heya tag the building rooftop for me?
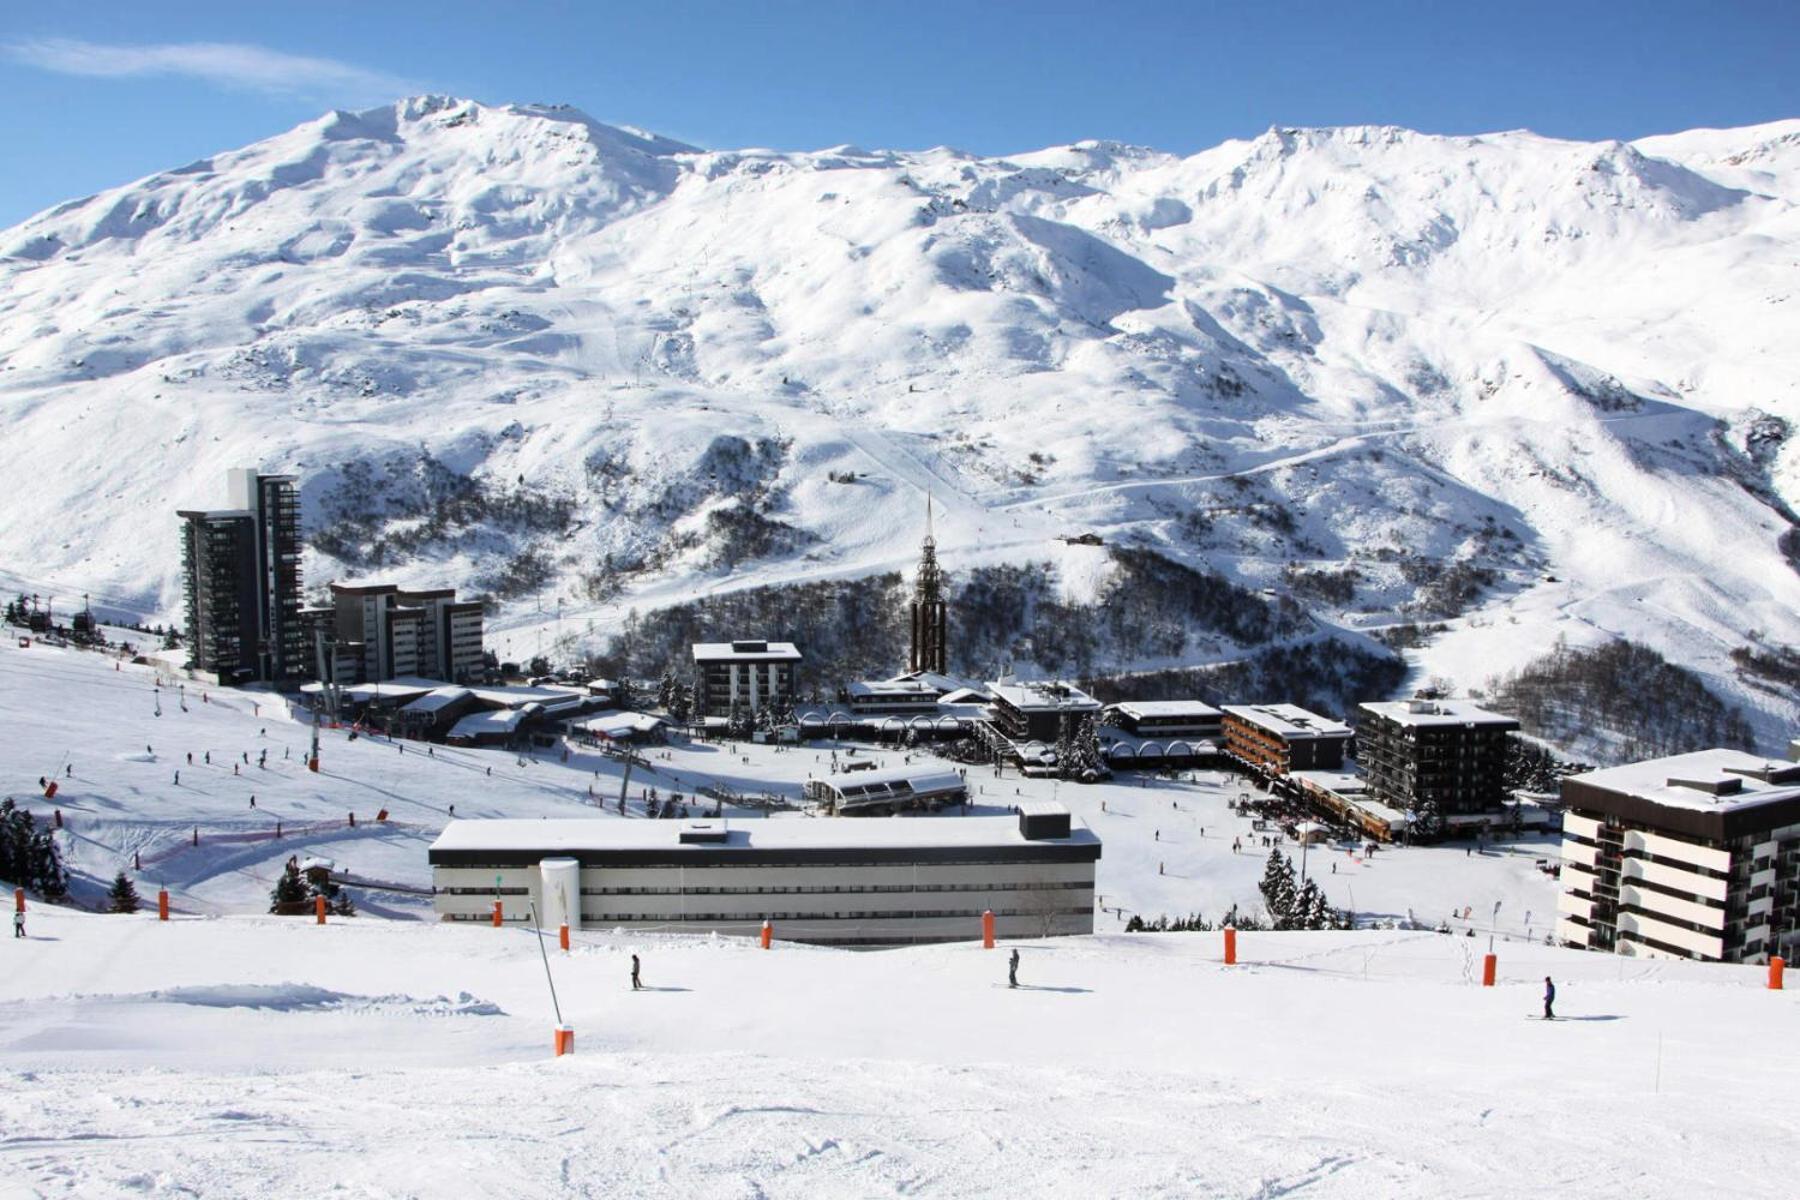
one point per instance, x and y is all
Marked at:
(569, 834)
(909, 688)
(621, 724)
(499, 720)
(919, 779)
(1141, 709)
(1044, 696)
(1703, 781)
(1288, 720)
(746, 651)
(1437, 712)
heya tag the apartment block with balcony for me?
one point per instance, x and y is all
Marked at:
(376, 632)
(1445, 755)
(1278, 738)
(241, 582)
(749, 674)
(1691, 856)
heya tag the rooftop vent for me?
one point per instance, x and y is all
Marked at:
(1716, 786)
(1769, 772)
(1040, 820)
(700, 835)
(1422, 707)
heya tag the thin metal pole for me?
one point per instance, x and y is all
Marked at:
(536, 924)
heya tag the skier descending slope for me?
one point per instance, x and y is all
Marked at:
(1012, 969)
(1549, 999)
(635, 984)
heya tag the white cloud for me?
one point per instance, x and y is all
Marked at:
(253, 68)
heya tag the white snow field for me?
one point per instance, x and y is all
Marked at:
(259, 1056)
(1570, 364)
(1167, 846)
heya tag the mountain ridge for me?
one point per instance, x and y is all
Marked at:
(1313, 350)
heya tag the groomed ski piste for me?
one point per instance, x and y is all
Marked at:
(229, 1053)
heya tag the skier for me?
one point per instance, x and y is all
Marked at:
(1159, 835)
(1549, 999)
(636, 984)
(209, 758)
(190, 758)
(178, 779)
(1012, 969)
(18, 923)
(453, 810)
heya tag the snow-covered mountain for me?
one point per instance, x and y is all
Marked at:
(516, 350)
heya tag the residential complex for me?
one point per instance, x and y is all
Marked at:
(1036, 712)
(1442, 756)
(880, 882)
(241, 582)
(1166, 718)
(1692, 856)
(1278, 738)
(375, 632)
(750, 675)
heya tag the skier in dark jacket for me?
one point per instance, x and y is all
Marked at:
(1549, 999)
(1012, 970)
(635, 984)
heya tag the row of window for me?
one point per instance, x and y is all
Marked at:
(838, 889)
(484, 891)
(971, 914)
(726, 864)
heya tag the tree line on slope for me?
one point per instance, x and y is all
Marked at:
(1620, 701)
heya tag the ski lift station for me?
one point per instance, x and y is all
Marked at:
(847, 883)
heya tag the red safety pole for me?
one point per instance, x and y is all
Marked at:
(562, 936)
(1776, 965)
(565, 1040)
(497, 917)
(1488, 963)
(162, 904)
(987, 930)
(768, 933)
(18, 899)
(319, 909)
(1230, 945)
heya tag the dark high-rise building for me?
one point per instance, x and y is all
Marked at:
(241, 570)
(1445, 755)
(929, 611)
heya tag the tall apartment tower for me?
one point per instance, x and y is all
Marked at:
(241, 568)
(929, 612)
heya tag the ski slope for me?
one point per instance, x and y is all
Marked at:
(256, 1056)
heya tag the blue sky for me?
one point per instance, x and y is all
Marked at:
(97, 93)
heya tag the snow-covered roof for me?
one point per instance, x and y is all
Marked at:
(966, 695)
(919, 779)
(910, 688)
(620, 724)
(746, 651)
(503, 720)
(513, 696)
(1044, 696)
(1288, 720)
(1437, 712)
(1341, 783)
(1141, 709)
(1703, 781)
(571, 834)
(432, 701)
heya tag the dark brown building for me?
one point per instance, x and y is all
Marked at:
(1446, 756)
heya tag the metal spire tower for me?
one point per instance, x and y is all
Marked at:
(929, 612)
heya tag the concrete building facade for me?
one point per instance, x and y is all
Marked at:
(887, 881)
(1692, 856)
(375, 632)
(751, 674)
(241, 582)
(1279, 738)
(1446, 756)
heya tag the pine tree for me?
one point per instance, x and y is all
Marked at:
(665, 691)
(1277, 889)
(1307, 907)
(122, 896)
(290, 889)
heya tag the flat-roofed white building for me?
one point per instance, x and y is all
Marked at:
(753, 674)
(869, 793)
(875, 882)
(1692, 856)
